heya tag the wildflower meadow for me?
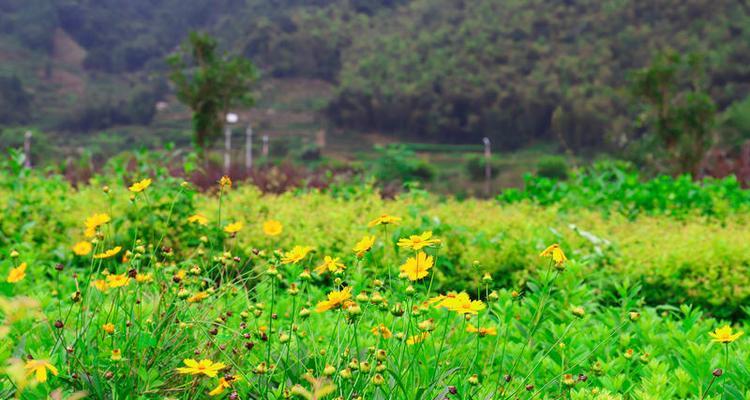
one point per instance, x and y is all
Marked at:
(148, 288)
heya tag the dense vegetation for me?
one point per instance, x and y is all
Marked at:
(620, 187)
(119, 288)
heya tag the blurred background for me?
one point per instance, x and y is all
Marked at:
(463, 96)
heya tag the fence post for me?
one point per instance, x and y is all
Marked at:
(249, 148)
(227, 148)
(265, 146)
(27, 149)
(487, 166)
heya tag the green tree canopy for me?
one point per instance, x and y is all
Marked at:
(210, 84)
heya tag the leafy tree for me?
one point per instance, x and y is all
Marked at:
(210, 84)
(680, 113)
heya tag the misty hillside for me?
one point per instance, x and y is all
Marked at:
(516, 71)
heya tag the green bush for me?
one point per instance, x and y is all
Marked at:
(618, 187)
(398, 163)
(552, 167)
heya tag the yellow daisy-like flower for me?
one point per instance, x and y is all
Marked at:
(418, 338)
(463, 304)
(335, 300)
(94, 222)
(384, 219)
(100, 285)
(417, 267)
(199, 219)
(109, 328)
(198, 297)
(418, 242)
(364, 245)
(725, 335)
(117, 280)
(555, 253)
(224, 383)
(234, 227)
(82, 248)
(481, 331)
(140, 186)
(202, 367)
(17, 274)
(382, 330)
(39, 369)
(109, 253)
(144, 278)
(225, 182)
(272, 228)
(331, 265)
(297, 254)
(116, 355)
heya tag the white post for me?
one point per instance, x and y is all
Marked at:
(249, 148)
(27, 149)
(231, 118)
(487, 165)
(265, 146)
(227, 148)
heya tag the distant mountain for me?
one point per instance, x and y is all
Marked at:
(517, 71)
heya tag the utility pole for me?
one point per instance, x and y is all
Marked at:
(249, 148)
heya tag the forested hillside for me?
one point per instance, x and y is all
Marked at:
(518, 71)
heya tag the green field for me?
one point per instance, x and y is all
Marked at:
(162, 291)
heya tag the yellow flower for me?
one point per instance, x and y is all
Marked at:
(725, 335)
(140, 186)
(330, 265)
(109, 328)
(384, 219)
(82, 248)
(364, 245)
(224, 383)
(418, 338)
(335, 299)
(295, 255)
(481, 331)
(225, 181)
(555, 252)
(382, 330)
(234, 227)
(417, 242)
(109, 253)
(463, 304)
(198, 297)
(417, 267)
(204, 367)
(94, 222)
(39, 369)
(17, 274)
(115, 281)
(144, 278)
(320, 388)
(116, 355)
(441, 299)
(100, 284)
(199, 219)
(272, 227)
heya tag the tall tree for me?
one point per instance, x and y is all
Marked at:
(210, 85)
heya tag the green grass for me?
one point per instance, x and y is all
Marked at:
(587, 328)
